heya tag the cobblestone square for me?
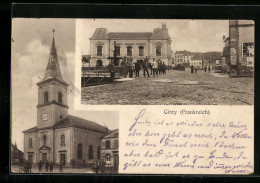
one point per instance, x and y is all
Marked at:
(174, 88)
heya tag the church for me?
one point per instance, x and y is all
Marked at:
(58, 136)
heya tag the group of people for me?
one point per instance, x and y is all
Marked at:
(99, 165)
(128, 68)
(205, 68)
(194, 69)
(26, 166)
(47, 166)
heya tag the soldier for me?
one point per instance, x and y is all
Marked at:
(111, 69)
(29, 167)
(51, 166)
(46, 166)
(40, 166)
(131, 67)
(145, 66)
(137, 68)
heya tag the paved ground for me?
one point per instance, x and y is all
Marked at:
(15, 169)
(175, 88)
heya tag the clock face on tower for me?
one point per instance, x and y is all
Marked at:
(45, 117)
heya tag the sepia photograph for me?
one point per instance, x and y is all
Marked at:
(48, 135)
(166, 62)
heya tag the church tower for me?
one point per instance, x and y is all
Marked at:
(52, 93)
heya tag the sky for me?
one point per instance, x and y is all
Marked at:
(191, 35)
(31, 45)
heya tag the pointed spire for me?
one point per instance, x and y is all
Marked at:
(53, 68)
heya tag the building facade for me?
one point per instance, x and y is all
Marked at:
(137, 45)
(109, 149)
(16, 155)
(58, 136)
(182, 57)
(212, 59)
(197, 60)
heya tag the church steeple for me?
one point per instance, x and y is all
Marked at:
(53, 68)
(52, 93)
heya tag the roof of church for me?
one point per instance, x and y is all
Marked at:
(73, 121)
(129, 35)
(53, 68)
(112, 134)
(33, 129)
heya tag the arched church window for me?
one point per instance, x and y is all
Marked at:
(44, 139)
(46, 96)
(79, 151)
(90, 152)
(62, 139)
(30, 143)
(60, 97)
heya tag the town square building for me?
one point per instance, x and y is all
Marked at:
(137, 45)
(58, 136)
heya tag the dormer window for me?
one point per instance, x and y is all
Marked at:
(60, 97)
(46, 96)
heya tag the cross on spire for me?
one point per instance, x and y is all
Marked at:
(53, 30)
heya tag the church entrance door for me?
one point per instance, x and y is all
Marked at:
(62, 159)
(30, 158)
(44, 158)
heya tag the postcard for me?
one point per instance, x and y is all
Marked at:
(132, 96)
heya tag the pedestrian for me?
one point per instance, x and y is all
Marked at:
(61, 167)
(46, 166)
(145, 67)
(29, 167)
(51, 166)
(97, 166)
(150, 66)
(209, 68)
(191, 68)
(26, 168)
(163, 68)
(155, 68)
(137, 68)
(102, 166)
(111, 69)
(205, 69)
(195, 70)
(40, 166)
(131, 67)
